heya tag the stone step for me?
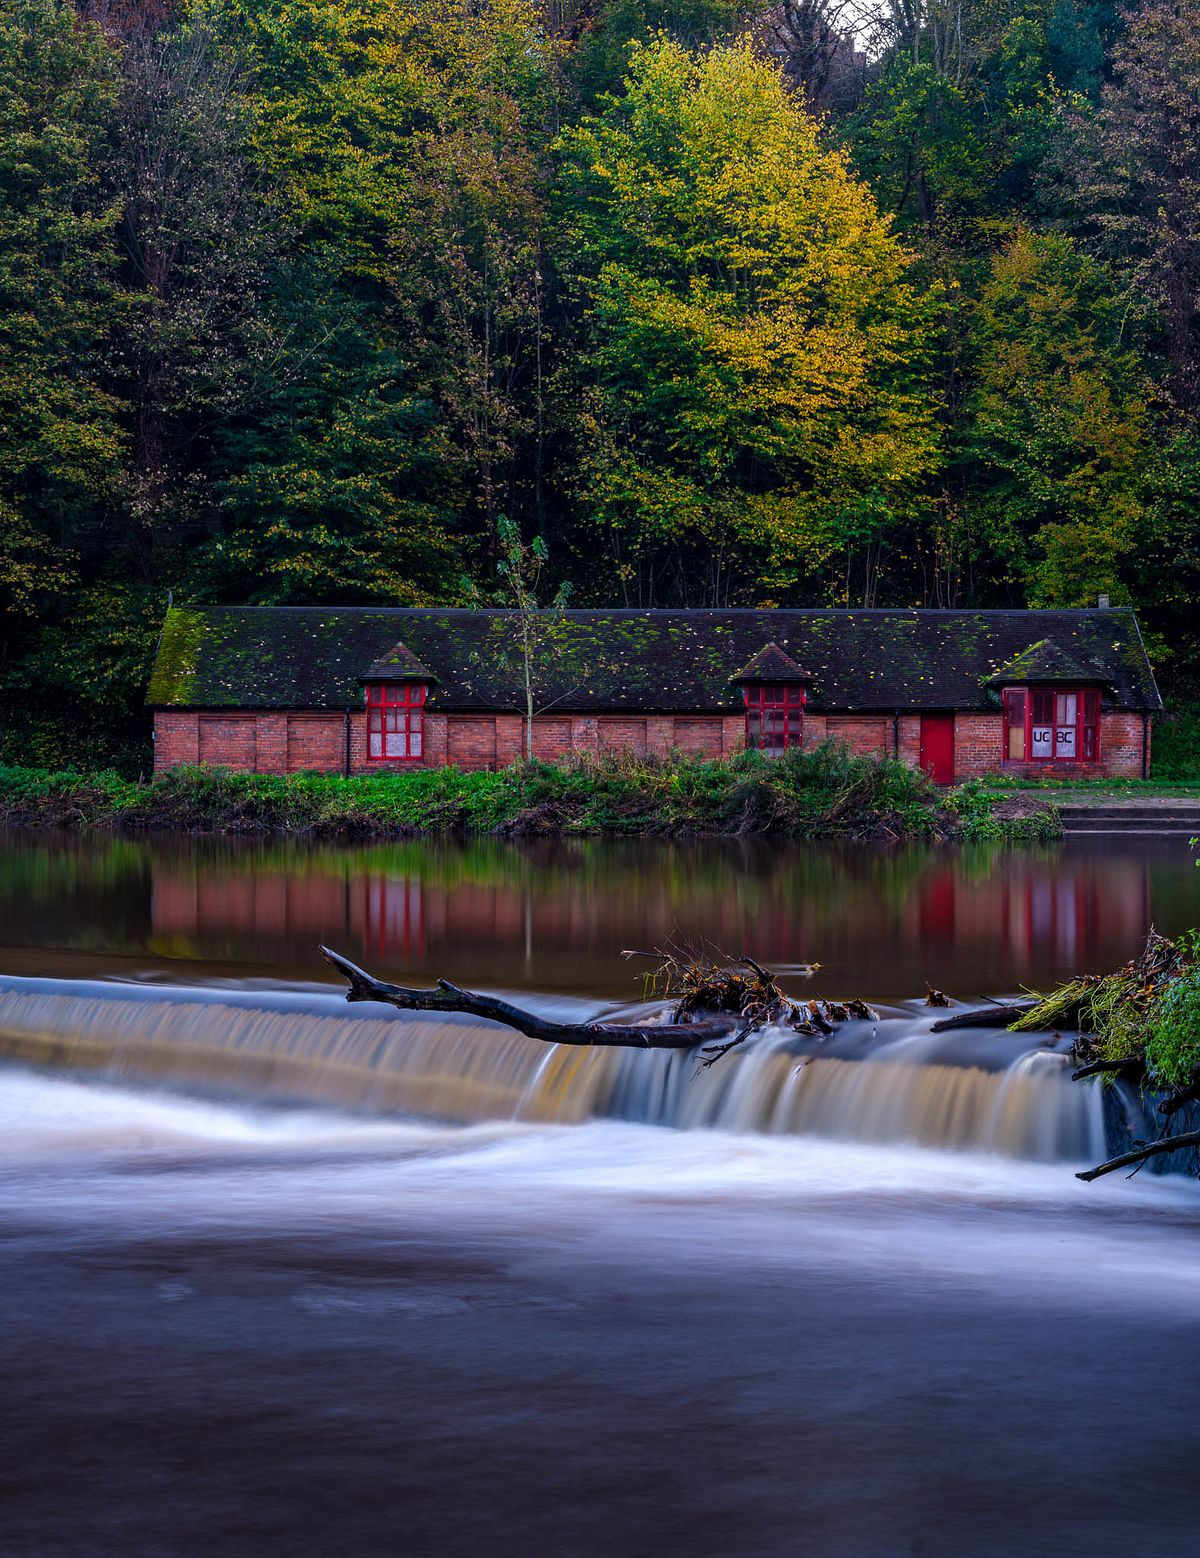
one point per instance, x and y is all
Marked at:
(1131, 832)
(1157, 814)
(1131, 822)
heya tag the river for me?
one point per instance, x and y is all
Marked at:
(284, 1277)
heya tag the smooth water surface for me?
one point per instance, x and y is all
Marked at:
(556, 917)
(284, 1277)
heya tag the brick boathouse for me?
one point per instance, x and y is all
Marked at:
(359, 690)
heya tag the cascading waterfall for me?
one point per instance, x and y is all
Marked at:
(896, 1082)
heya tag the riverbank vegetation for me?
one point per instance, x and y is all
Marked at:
(1140, 1024)
(823, 792)
(725, 303)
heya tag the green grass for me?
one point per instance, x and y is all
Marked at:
(1129, 789)
(824, 791)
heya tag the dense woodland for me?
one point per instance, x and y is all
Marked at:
(878, 303)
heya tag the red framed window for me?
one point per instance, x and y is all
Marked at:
(1051, 724)
(396, 722)
(774, 718)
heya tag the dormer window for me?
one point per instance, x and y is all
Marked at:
(774, 718)
(774, 693)
(395, 721)
(396, 688)
(1051, 706)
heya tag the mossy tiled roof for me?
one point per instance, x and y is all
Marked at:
(770, 664)
(398, 665)
(1045, 661)
(316, 657)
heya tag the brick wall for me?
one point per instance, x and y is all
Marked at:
(279, 743)
(289, 742)
(979, 749)
(868, 736)
(176, 739)
(910, 740)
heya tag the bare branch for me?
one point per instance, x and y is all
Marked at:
(1095, 1068)
(1149, 1150)
(445, 997)
(983, 1017)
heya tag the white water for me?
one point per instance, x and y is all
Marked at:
(890, 1082)
(80, 1153)
(281, 1276)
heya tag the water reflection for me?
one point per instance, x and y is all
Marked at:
(557, 917)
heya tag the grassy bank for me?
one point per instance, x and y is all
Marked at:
(823, 792)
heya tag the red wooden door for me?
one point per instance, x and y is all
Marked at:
(937, 747)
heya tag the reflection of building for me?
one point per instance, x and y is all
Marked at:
(359, 690)
(1083, 913)
(878, 923)
(392, 917)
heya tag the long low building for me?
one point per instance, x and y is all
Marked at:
(356, 690)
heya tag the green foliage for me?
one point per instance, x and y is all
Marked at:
(914, 139)
(330, 492)
(298, 302)
(1177, 746)
(755, 348)
(985, 818)
(405, 140)
(88, 678)
(1059, 426)
(1173, 1031)
(61, 449)
(825, 791)
(1148, 1011)
(600, 62)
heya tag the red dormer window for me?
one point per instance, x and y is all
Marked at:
(774, 717)
(396, 722)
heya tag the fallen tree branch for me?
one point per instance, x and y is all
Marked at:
(983, 1017)
(1131, 1065)
(1181, 1100)
(445, 997)
(1151, 1149)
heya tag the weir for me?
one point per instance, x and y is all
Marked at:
(891, 1082)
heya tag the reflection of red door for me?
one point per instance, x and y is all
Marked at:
(937, 747)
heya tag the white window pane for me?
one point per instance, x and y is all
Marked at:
(395, 744)
(1066, 741)
(414, 742)
(1065, 713)
(376, 747)
(1042, 741)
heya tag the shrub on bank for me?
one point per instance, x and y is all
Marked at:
(822, 791)
(1176, 750)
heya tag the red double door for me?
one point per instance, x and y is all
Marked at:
(937, 747)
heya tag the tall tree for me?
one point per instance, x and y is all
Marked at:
(1059, 427)
(200, 235)
(61, 311)
(754, 351)
(1135, 170)
(405, 140)
(60, 303)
